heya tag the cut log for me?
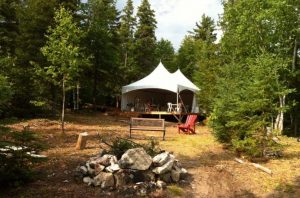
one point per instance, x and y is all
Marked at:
(81, 142)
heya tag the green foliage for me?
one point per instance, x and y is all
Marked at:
(103, 44)
(119, 146)
(62, 48)
(5, 93)
(9, 27)
(246, 101)
(186, 57)
(145, 40)
(126, 31)
(205, 31)
(15, 160)
(165, 52)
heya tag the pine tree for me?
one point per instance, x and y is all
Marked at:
(166, 54)
(207, 62)
(145, 39)
(205, 31)
(32, 19)
(127, 29)
(102, 42)
(8, 26)
(186, 57)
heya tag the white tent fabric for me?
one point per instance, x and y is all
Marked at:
(161, 79)
(183, 83)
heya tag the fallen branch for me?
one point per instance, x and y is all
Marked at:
(266, 170)
(238, 160)
(262, 168)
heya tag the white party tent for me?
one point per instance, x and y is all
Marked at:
(160, 87)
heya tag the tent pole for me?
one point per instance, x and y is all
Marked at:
(177, 99)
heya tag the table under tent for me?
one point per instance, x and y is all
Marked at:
(161, 93)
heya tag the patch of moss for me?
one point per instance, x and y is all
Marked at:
(175, 190)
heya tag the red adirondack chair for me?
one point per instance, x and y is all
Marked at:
(189, 125)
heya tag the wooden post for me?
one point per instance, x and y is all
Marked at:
(81, 142)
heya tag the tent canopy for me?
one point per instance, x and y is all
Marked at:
(160, 79)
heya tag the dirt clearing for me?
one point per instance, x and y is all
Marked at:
(213, 171)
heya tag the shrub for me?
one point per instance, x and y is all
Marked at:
(16, 159)
(119, 146)
(247, 103)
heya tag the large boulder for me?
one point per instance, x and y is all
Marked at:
(104, 180)
(136, 159)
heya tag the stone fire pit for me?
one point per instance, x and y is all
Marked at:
(134, 170)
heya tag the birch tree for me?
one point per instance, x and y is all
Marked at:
(63, 51)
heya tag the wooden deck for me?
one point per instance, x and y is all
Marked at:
(177, 115)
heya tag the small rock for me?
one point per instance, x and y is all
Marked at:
(166, 167)
(99, 168)
(166, 177)
(51, 175)
(88, 180)
(161, 159)
(184, 171)
(83, 170)
(136, 159)
(90, 170)
(66, 181)
(122, 178)
(161, 184)
(183, 174)
(175, 175)
(105, 180)
(112, 168)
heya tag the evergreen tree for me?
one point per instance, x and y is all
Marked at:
(274, 28)
(257, 49)
(103, 44)
(127, 29)
(145, 39)
(166, 54)
(34, 18)
(8, 26)
(207, 62)
(205, 30)
(186, 57)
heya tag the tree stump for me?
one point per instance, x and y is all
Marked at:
(81, 141)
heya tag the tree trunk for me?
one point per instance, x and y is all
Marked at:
(125, 62)
(95, 83)
(117, 101)
(294, 113)
(77, 103)
(279, 119)
(295, 56)
(53, 95)
(74, 100)
(63, 106)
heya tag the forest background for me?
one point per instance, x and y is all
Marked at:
(66, 52)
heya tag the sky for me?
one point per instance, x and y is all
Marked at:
(176, 17)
